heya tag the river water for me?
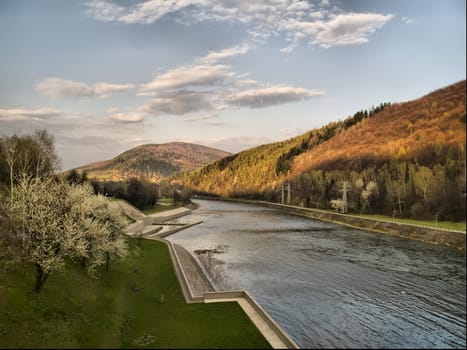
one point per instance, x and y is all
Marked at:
(330, 286)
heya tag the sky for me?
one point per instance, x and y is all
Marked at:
(104, 76)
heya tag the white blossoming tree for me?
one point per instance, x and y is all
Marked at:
(51, 221)
(337, 204)
(101, 223)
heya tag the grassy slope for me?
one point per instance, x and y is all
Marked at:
(120, 309)
(163, 204)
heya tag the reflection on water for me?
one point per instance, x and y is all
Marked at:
(331, 286)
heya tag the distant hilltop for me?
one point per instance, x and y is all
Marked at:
(153, 161)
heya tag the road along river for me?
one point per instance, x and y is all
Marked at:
(330, 286)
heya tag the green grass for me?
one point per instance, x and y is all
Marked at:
(137, 304)
(460, 226)
(163, 204)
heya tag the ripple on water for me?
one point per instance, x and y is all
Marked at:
(330, 286)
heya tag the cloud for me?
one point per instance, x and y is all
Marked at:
(246, 82)
(197, 118)
(190, 76)
(112, 110)
(321, 23)
(104, 90)
(178, 103)
(144, 12)
(24, 113)
(215, 56)
(104, 10)
(350, 29)
(135, 117)
(58, 87)
(408, 20)
(274, 95)
(340, 30)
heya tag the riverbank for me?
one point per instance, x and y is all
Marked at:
(454, 239)
(194, 283)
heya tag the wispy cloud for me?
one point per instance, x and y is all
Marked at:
(201, 117)
(135, 117)
(105, 10)
(143, 12)
(320, 24)
(14, 114)
(273, 95)
(190, 76)
(104, 90)
(178, 103)
(350, 29)
(58, 87)
(339, 30)
(408, 20)
(215, 56)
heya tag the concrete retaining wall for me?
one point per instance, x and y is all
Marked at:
(172, 214)
(176, 229)
(455, 239)
(272, 332)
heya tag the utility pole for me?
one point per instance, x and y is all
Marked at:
(344, 188)
(288, 193)
(282, 195)
(344, 197)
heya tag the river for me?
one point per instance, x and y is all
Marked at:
(330, 286)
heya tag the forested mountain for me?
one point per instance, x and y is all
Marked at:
(153, 161)
(407, 158)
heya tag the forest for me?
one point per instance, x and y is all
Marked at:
(403, 159)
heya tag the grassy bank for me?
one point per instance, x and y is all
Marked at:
(138, 303)
(448, 225)
(163, 204)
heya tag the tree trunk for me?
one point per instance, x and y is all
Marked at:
(41, 278)
(107, 261)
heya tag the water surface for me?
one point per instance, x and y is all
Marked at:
(330, 286)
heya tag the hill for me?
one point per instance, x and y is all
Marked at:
(153, 161)
(395, 146)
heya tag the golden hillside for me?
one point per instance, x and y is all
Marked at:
(421, 131)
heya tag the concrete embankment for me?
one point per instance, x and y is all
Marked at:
(455, 239)
(273, 333)
(195, 285)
